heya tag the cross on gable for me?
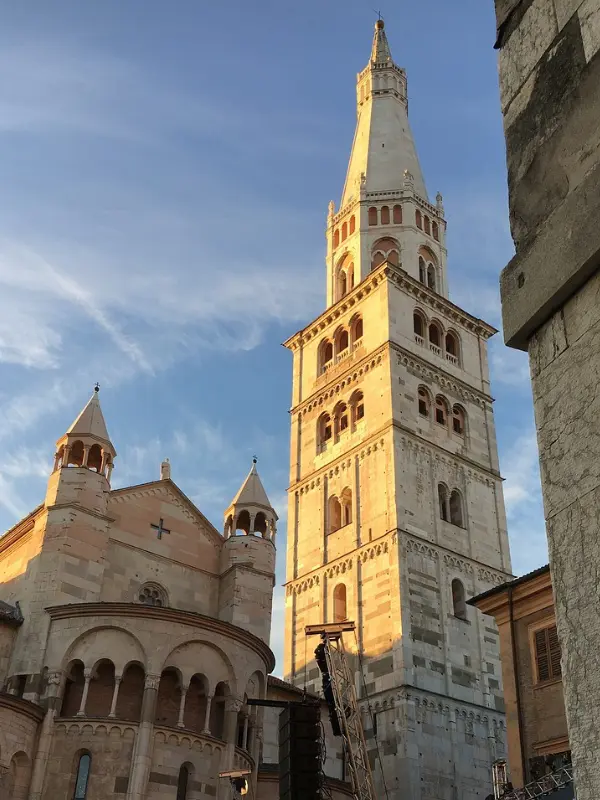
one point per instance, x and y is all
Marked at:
(160, 529)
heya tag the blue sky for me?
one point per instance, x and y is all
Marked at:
(164, 182)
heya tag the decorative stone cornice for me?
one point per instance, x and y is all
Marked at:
(21, 529)
(344, 463)
(20, 706)
(363, 553)
(413, 287)
(346, 380)
(334, 312)
(467, 565)
(429, 371)
(438, 303)
(166, 615)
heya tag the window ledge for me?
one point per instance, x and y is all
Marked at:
(545, 684)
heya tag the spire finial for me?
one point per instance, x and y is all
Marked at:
(97, 387)
(255, 459)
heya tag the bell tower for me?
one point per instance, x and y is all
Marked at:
(396, 514)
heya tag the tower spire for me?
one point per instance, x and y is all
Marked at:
(251, 510)
(380, 52)
(86, 442)
(383, 147)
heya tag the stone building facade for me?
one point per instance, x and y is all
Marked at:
(550, 95)
(396, 513)
(536, 723)
(131, 634)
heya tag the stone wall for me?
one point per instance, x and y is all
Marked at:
(550, 94)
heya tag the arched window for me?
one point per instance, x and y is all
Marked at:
(372, 216)
(342, 341)
(456, 508)
(422, 270)
(452, 347)
(427, 225)
(325, 355)
(459, 603)
(397, 215)
(357, 330)
(335, 514)
(436, 231)
(344, 277)
(242, 522)
(443, 502)
(435, 336)
(357, 404)
(131, 693)
(386, 249)
(73, 690)
(393, 257)
(217, 710)
(419, 219)
(385, 215)
(324, 431)
(182, 782)
(76, 454)
(340, 419)
(100, 689)
(151, 594)
(336, 238)
(168, 700)
(344, 231)
(346, 506)
(82, 777)
(441, 410)
(95, 458)
(419, 327)
(424, 401)
(340, 612)
(352, 224)
(431, 277)
(458, 421)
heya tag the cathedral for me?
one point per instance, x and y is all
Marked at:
(133, 632)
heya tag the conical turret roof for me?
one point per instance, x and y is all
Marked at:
(91, 421)
(380, 52)
(252, 492)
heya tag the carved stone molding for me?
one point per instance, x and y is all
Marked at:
(458, 563)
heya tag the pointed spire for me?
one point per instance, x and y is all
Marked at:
(251, 510)
(91, 420)
(252, 492)
(383, 148)
(380, 52)
(87, 443)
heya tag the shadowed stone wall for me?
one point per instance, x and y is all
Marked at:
(550, 94)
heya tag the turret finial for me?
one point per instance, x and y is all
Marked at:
(97, 387)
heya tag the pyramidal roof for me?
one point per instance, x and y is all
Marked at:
(252, 492)
(91, 421)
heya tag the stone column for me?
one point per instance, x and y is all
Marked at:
(232, 708)
(45, 739)
(87, 674)
(113, 705)
(182, 706)
(206, 728)
(245, 733)
(142, 753)
(86, 453)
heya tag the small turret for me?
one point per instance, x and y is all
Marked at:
(88, 453)
(248, 560)
(250, 510)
